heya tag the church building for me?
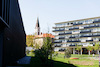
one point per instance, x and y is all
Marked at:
(40, 37)
(37, 28)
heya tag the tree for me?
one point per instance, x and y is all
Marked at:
(78, 48)
(29, 40)
(97, 47)
(32, 52)
(67, 53)
(36, 46)
(89, 48)
(46, 50)
(27, 52)
(47, 46)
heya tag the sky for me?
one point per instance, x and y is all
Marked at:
(54, 11)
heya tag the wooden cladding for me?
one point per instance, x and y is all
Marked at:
(4, 10)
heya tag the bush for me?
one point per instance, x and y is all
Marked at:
(27, 52)
(31, 53)
(67, 53)
(45, 51)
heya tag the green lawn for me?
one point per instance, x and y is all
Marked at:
(82, 58)
(60, 61)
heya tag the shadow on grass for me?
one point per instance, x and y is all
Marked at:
(50, 63)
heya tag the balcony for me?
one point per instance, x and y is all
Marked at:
(73, 28)
(58, 30)
(64, 33)
(96, 21)
(71, 45)
(61, 50)
(85, 31)
(92, 26)
(77, 24)
(86, 36)
(58, 42)
(72, 37)
(57, 46)
(89, 40)
(74, 41)
(95, 35)
(61, 37)
(90, 36)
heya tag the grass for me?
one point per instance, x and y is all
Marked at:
(82, 58)
(60, 61)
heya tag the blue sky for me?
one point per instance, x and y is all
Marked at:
(54, 11)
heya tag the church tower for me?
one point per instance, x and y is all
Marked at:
(37, 28)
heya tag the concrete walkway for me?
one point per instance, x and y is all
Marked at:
(24, 60)
(14, 66)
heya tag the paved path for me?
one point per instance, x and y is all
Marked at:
(14, 66)
(24, 60)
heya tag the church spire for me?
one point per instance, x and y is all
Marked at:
(37, 23)
(37, 27)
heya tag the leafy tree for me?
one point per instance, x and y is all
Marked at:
(78, 48)
(47, 46)
(67, 53)
(27, 52)
(36, 46)
(32, 52)
(45, 50)
(29, 40)
(97, 47)
(56, 53)
(89, 48)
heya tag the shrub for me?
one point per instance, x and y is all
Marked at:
(27, 52)
(67, 53)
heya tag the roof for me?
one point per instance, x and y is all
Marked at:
(77, 20)
(45, 35)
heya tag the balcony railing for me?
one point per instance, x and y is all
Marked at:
(73, 28)
(62, 38)
(90, 36)
(96, 21)
(64, 33)
(74, 41)
(61, 50)
(71, 45)
(58, 42)
(72, 37)
(85, 31)
(58, 30)
(57, 46)
(92, 26)
(89, 40)
(77, 24)
(86, 36)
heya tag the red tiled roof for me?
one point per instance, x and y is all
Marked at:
(45, 35)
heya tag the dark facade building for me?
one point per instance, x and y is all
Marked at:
(12, 34)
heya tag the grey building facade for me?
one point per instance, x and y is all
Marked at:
(12, 34)
(81, 32)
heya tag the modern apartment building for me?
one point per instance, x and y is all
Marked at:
(82, 32)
